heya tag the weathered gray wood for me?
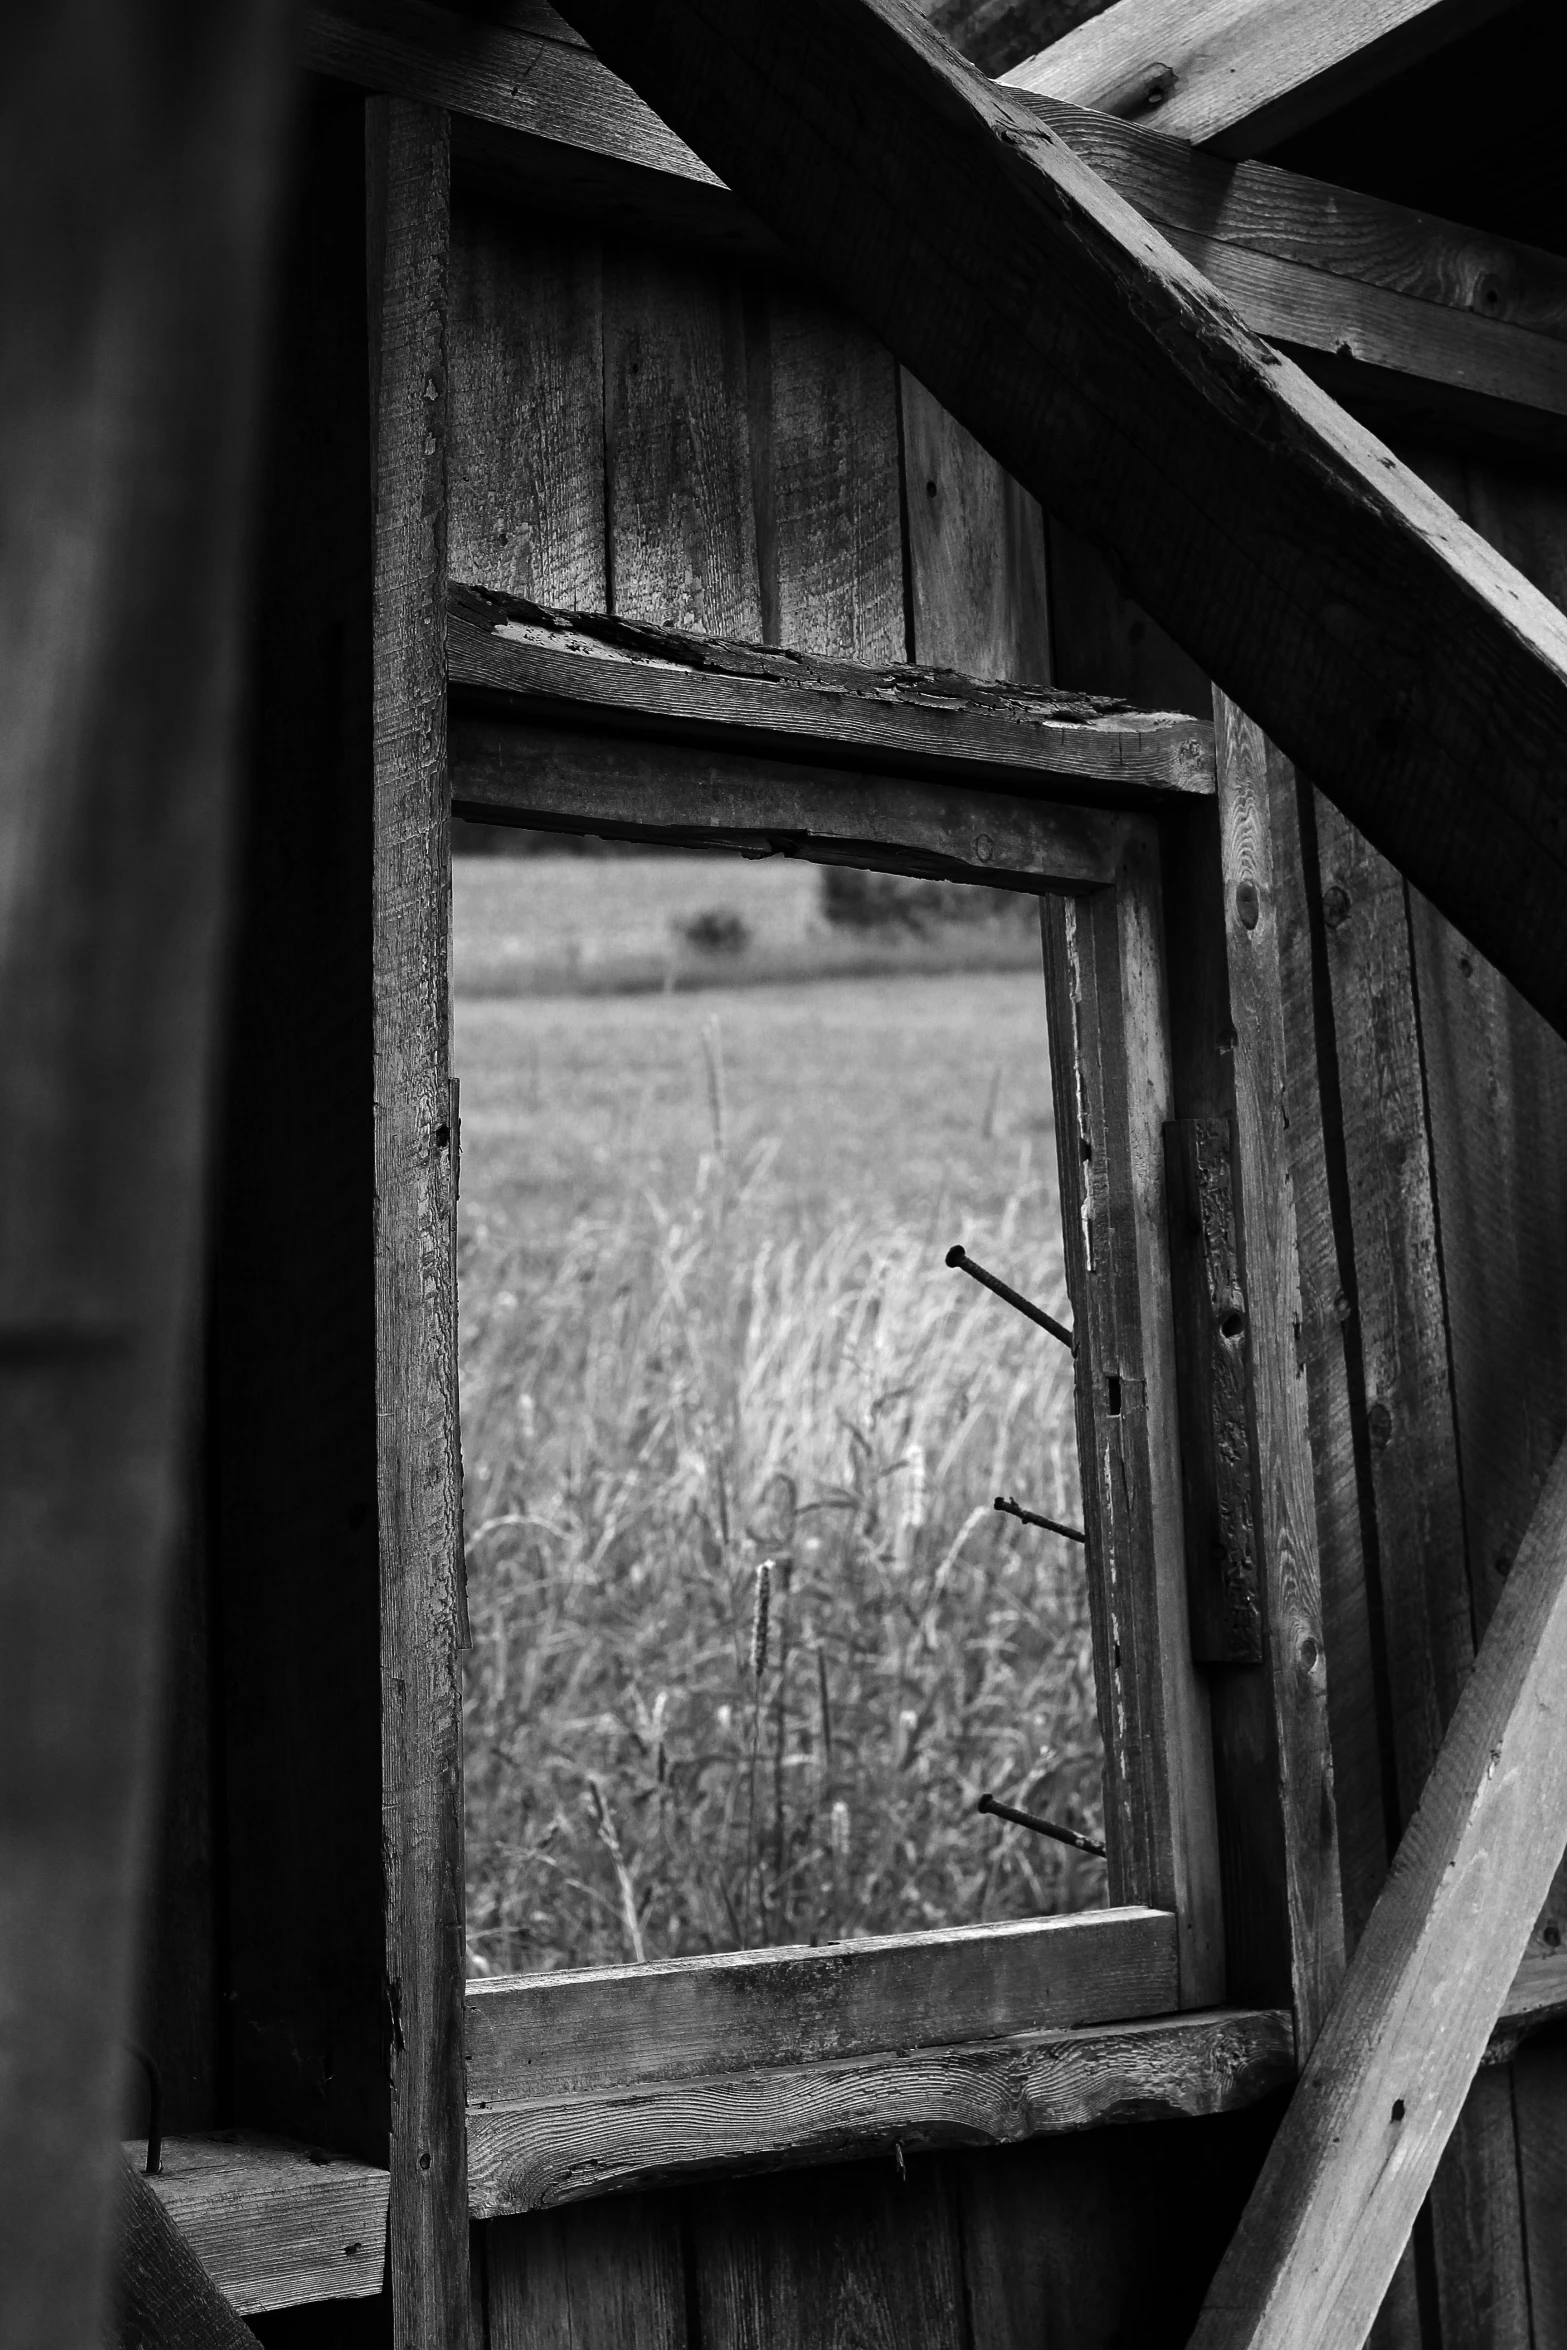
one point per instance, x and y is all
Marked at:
(420, 1473)
(1386, 648)
(1216, 1446)
(677, 455)
(1239, 75)
(582, 2142)
(1383, 2087)
(910, 721)
(976, 551)
(1111, 1082)
(273, 2223)
(823, 428)
(164, 2298)
(140, 160)
(830, 2260)
(527, 408)
(1540, 2097)
(599, 2276)
(617, 787)
(1324, 269)
(535, 2035)
(1287, 1527)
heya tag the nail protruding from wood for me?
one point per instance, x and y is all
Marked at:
(961, 1262)
(1028, 1819)
(1014, 1509)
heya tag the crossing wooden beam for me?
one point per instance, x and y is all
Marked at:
(1359, 2146)
(1381, 643)
(1238, 75)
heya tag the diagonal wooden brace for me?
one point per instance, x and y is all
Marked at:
(1384, 2086)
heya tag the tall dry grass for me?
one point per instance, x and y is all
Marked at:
(684, 1402)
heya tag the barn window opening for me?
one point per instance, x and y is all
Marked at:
(750, 1638)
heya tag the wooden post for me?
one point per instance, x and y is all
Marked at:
(1110, 1065)
(420, 1477)
(1287, 1526)
(138, 164)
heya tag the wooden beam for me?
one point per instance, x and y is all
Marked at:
(556, 2035)
(1385, 2084)
(623, 787)
(547, 2150)
(578, 668)
(164, 2298)
(275, 2225)
(1239, 75)
(1378, 640)
(419, 1468)
(1391, 297)
(141, 157)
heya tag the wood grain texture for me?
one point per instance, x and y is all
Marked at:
(141, 161)
(1111, 1083)
(1326, 270)
(273, 2223)
(823, 428)
(164, 2298)
(1330, 1343)
(1239, 75)
(1291, 1577)
(527, 409)
(677, 455)
(420, 1477)
(620, 787)
(978, 595)
(1218, 1469)
(611, 2027)
(867, 2256)
(600, 2276)
(917, 722)
(585, 2140)
(1388, 651)
(1384, 2085)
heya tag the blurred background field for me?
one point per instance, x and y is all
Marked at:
(708, 1340)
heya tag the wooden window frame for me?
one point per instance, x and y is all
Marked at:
(495, 710)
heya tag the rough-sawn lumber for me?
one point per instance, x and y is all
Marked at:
(1239, 75)
(1386, 2081)
(1386, 649)
(275, 2224)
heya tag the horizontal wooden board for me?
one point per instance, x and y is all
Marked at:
(983, 2093)
(915, 721)
(274, 2223)
(1240, 75)
(620, 787)
(561, 2035)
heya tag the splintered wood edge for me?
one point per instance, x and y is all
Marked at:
(275, 2224)
(991, 2093)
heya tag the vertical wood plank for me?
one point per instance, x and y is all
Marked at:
(1292, 1605)
(416, 1305)
(830, 2259)
(1110, 1065)
(1106, 643)
(141, 156)
(976, 551)
(823, 420)
(682, 537)
(527, 408)
(596, 2276)
(1107, 2236)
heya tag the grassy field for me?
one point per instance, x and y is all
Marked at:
(710, 1351)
